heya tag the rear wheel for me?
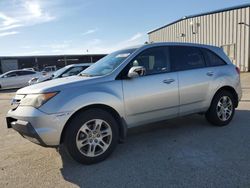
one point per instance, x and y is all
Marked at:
(222, 109)
(91, 136)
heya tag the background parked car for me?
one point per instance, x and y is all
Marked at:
(48, 71)
(17, 78)
(66, 71)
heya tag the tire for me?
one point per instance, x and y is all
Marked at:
(91, 136)
(218, 114)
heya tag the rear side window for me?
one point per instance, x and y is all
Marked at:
(185, 58)
(212, 59)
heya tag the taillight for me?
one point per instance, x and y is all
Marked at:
(237, 69)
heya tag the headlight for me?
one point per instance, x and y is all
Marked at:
(36, 100)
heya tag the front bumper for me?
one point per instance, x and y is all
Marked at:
(38, 127)
(25, 129)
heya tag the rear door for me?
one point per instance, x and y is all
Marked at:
(154, 96)
(195, 78)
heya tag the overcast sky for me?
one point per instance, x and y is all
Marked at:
(35, 27)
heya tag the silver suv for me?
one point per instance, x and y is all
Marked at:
(91, 112)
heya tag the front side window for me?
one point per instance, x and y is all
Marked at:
(186, 58)
(212, 59)
(155, 60)
(107, 64)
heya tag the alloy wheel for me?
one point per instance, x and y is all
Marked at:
(224, 108)
(94, 137)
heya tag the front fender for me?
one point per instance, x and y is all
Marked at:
(107, 93)
(92, 98)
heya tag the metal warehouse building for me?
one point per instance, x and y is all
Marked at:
(227, 28)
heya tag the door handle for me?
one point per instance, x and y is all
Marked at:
(210, 73)
(168, 81)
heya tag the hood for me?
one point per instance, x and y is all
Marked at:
(58, 84)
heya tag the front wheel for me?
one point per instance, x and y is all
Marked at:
(222, 109)
(91, 136)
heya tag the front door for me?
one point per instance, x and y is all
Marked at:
(154, 96)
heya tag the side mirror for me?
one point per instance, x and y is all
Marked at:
(136, 71)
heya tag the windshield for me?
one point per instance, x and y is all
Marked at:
(59, 72)
(107, 64)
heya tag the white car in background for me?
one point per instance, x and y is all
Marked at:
(69, 70)
(48, 71)
(17, 78)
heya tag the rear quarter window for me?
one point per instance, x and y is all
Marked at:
(212, 59)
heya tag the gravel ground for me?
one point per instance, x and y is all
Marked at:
(184, 152)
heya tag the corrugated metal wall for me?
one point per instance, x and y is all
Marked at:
(220, 29)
